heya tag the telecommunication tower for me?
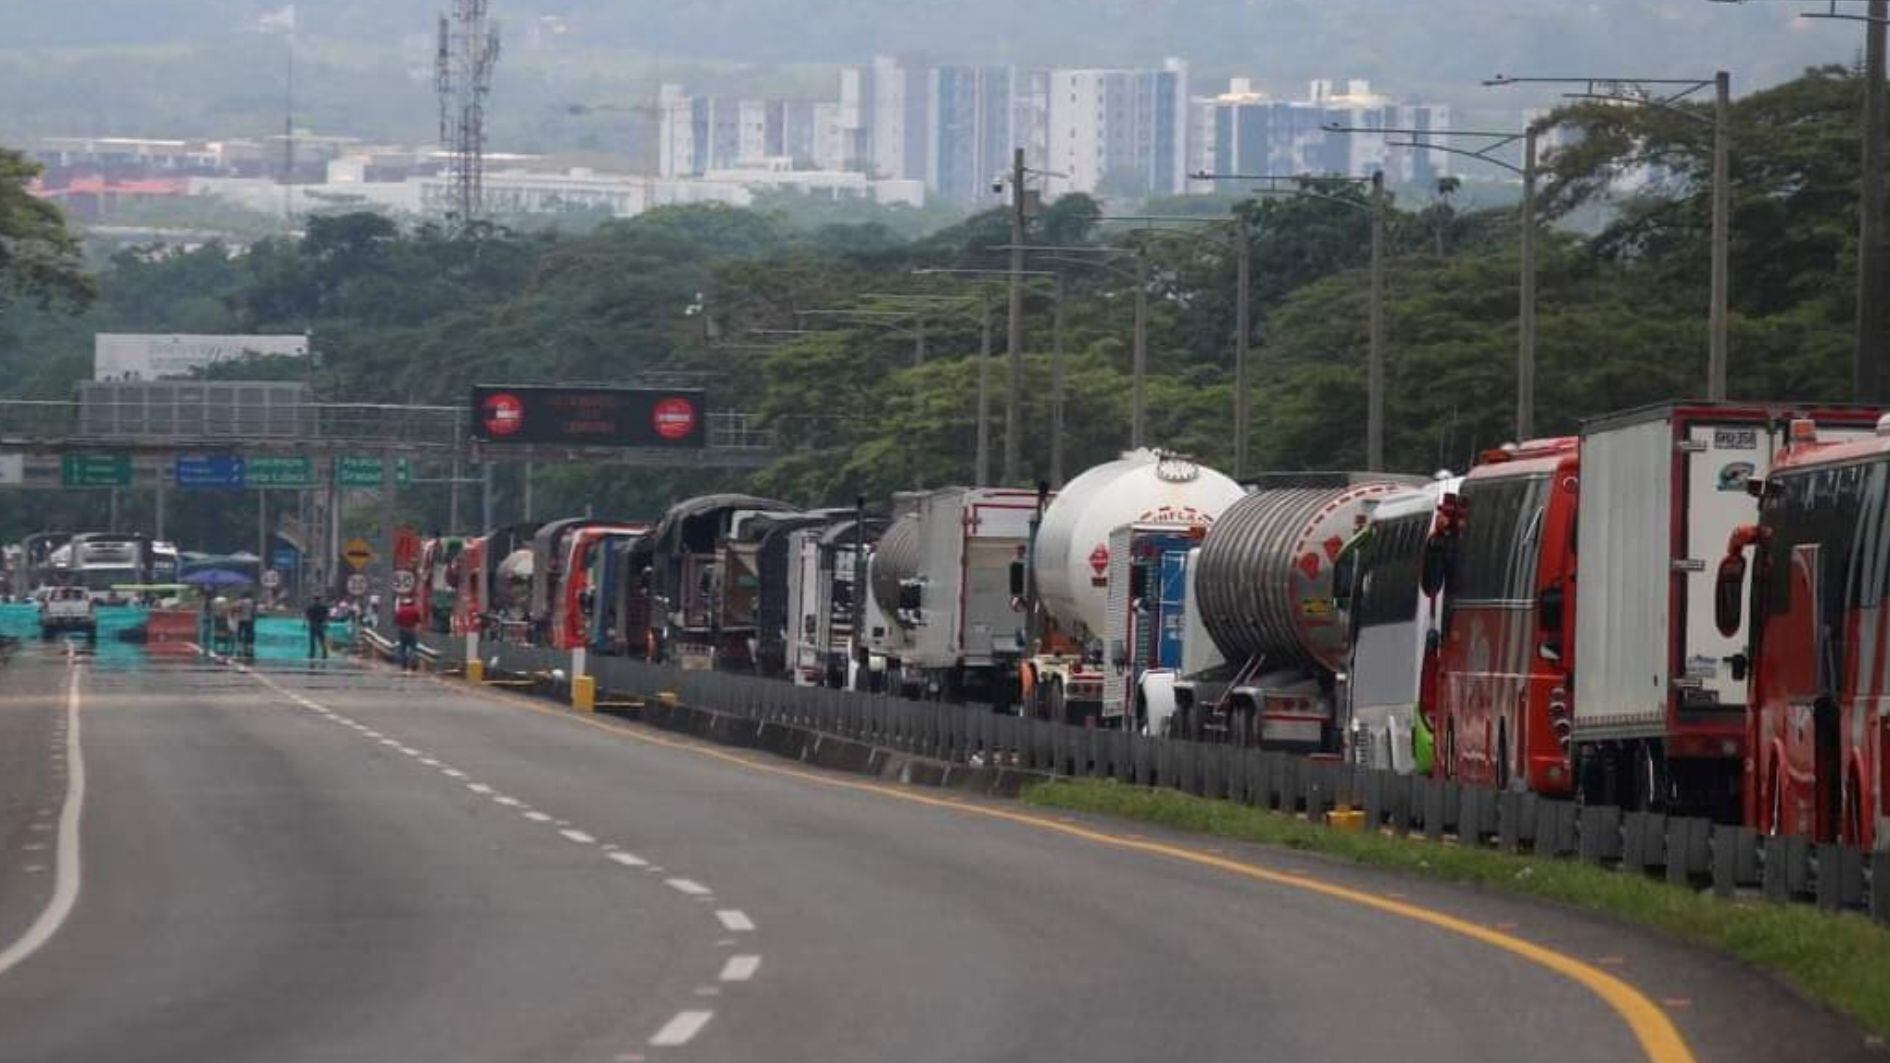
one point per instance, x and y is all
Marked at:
(469, 49)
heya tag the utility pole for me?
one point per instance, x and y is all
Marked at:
(1138, 416)
(1056, 388)
(1375, 372)
(918, 340)
(1526, 350)
(982, 473)
(1243, 331)
(1014, 333)
(1716, 350)
(1867, 359)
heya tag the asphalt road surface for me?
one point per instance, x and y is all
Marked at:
(343, 863)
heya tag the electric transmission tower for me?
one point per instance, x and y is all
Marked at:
(469, 49)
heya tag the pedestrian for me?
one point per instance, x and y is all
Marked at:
(246, 624)
(407, 622)
(317, 616)
(221, 641)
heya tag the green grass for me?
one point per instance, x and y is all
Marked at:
(1840, 960)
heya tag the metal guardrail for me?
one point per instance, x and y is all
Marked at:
(1691, 852)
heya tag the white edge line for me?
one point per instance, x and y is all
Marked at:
(66, 877)
(681, 1028)
(735, 919)
(740, 968)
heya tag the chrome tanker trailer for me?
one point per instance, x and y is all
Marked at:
(1261, 587)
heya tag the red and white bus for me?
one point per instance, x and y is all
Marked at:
(1818, 657)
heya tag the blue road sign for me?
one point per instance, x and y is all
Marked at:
(283, 558)
(210, 470)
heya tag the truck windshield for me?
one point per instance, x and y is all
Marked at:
(1388, 570)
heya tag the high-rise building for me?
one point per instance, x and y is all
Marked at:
(899, 117)
(1255, 133)
(1118, 132)
(968, 130)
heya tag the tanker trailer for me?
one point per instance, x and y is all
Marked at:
(1071, 564)
(1263, 591)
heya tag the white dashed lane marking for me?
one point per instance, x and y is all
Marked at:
(536, 816)
(579, 837)
(734, 919)
(682, 1028)
(740, 968)
(689, 886)
(629, 859)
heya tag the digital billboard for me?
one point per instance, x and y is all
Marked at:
(589, 416)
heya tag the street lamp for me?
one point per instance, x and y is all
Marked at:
(1375, 358)
(1012, 416)
(1526, 314)
(1873, 284)
(1639, 91)
(1139, 359)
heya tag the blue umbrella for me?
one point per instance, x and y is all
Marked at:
(217, 577)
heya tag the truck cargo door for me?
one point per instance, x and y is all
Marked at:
(1721, 460)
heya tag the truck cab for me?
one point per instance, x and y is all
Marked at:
(67, 608)
(1818, 717)
(1505, 563)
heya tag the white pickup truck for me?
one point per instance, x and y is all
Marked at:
(67, 609)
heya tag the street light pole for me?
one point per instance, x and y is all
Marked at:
(1867, 355)
(982, 472)
(1526, 348)
(1716, 351)
(1375, 374)
(1056, 389)
(1014, 333)
(1638, 91)
(1138, 416)
(1243, 332)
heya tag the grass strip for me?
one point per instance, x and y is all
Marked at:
(1841, 960)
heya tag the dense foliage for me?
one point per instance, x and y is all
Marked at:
(862, 405)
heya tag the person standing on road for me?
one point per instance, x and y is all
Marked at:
(317, 616)
(246, 624)
(407, 622)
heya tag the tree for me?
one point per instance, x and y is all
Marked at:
(39, 259)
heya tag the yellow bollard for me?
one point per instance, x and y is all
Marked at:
(475, 671)
(1349, 820)
(584, 693)
(669, 699)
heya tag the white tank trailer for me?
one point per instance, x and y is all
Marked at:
(1070, 563)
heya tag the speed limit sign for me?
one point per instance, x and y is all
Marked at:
(404, 581)
(357, 584)
(272, 579)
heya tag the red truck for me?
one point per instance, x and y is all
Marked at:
(1817, 661)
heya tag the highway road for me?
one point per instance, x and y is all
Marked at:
(343, 863)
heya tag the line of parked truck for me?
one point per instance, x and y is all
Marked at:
(1683, 608)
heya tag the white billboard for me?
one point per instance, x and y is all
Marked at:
(140, 356)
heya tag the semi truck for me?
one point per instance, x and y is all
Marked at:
(951, 628)
(826, 564)
(1395, 630)
(689, 571)
(1071, 571)
(1812, 650)
(1263, 588)
(1146, 623)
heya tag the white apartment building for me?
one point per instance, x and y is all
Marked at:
(1118, 131)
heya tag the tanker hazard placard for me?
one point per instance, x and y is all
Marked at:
(589, 416)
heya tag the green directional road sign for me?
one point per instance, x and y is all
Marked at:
(279, 472)
(95, 470)
(370, 472)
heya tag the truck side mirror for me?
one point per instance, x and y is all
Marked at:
(1017, 578)
(1549, 610)
(1437, 556)
(1138, 582)
(1726, 594)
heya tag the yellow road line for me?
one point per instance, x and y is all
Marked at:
(1659, 1039)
